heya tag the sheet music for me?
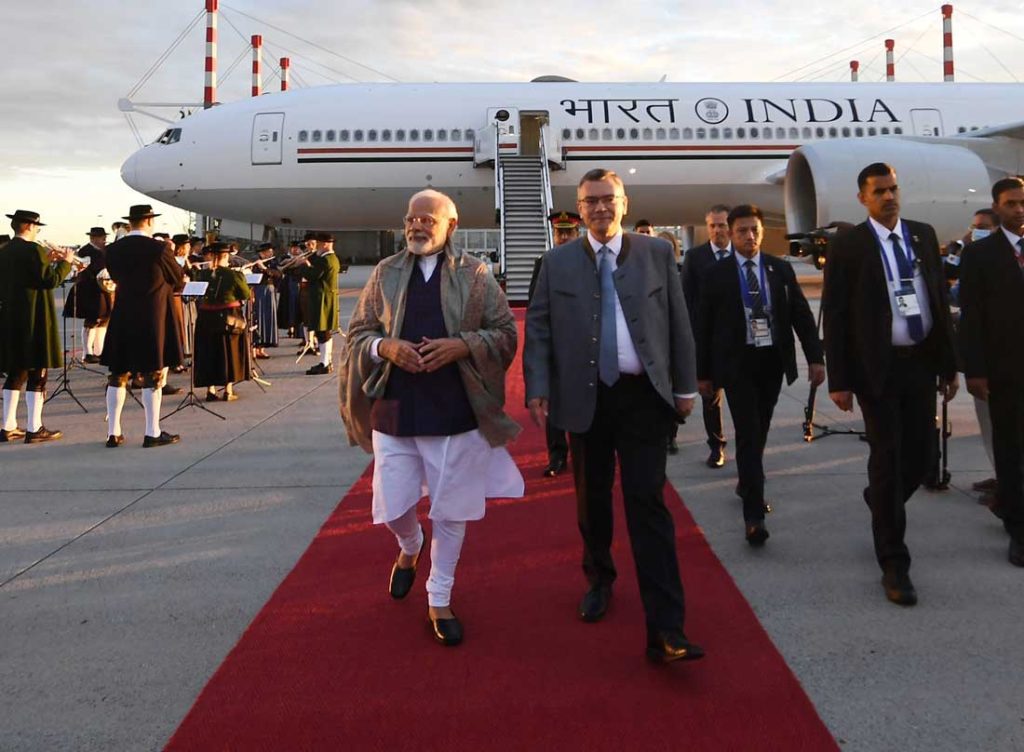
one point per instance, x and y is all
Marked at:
(253, 279)
(195, 289)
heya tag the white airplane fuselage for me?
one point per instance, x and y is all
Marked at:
(349, 156)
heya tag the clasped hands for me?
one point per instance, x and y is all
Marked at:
(424, 357)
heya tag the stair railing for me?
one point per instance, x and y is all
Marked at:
(545, 172)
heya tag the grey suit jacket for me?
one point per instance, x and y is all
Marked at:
(563, 326)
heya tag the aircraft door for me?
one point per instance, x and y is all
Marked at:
(267, 138)
(506, 121)
(927, 122)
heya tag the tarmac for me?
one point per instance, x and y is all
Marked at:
(127, 575)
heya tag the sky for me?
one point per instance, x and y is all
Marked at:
(63, 139)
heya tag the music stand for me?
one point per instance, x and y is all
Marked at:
(255, 372)
(64, 383)
(193, 290)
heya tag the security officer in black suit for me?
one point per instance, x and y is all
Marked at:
(565, 226)
(991, 311)
(888, 337)
(696, 263)
(750, 305)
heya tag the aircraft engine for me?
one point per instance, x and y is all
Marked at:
(939, 184)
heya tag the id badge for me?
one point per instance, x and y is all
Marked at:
(906, 301)
(761, 331)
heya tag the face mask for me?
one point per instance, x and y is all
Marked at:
(977, 233)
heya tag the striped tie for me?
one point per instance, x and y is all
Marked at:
(608, 363)
(914, 323)
(757, 307)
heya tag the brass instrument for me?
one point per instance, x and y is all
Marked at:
(295, 260)
(105, 282)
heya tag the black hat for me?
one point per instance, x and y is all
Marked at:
(194, 239)
(265, 247)
(311, 236)
(325, 237)
(29, 217)
(180, 239)
(161, 235)
(140, 211)
(564, 220)
(97, 231)
(216, 247)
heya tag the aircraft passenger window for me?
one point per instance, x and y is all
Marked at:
(660, 133)
(741, 133)
(357, 135)
(846, 132)
(317, 136)
(794, 133)
(754, 133)
(898, 130)
(673, 133)
(885, 130)
(648, 134)
(470, 135)
(687, 134)
(819, 132)
(329, 135)
(961, 129)
(872, 131)
(807, 132)
(858, 131)
(727, 133)
(442, 135)
(592, 134)
(343, 135)
(780, 133)
(580, 134)
(414, 135)
(456, 134)
(634, 134)
(767, 132)
(606, 134)
(428, 134)
(400, 134)
(974, 127)
(303, 137)
(371, 135)
(620, 134)
(701, 134)
(713, 133)
(566, 133)
(385, 135)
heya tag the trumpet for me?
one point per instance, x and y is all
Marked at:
(57, 253)
(295, 260)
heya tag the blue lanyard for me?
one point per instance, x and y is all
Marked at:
(748, 299)
(907, 249)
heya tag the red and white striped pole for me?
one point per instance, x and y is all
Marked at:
(210, 90)
(947, 42)
(257, 67)
(854, 68)
(285, 65)
(890, 64)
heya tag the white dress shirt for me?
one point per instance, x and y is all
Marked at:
(629, 360)
(716, 250)
(427, 265)
(900, 329)
(1014, 240)
(766, 298)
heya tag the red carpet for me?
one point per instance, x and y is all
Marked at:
(332, 663)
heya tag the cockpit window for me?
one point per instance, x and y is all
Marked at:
(170, 136)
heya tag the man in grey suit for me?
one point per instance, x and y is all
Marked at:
(609, 357)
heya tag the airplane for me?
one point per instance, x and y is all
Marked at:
(348, 156)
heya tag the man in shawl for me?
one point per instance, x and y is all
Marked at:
(422, 387)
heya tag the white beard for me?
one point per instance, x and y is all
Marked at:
(423, 247)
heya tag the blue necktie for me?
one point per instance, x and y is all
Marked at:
(722, 254)
(756, 303)
(914, 324)
(608, 363)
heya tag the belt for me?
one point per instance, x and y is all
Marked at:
(219, 306)
(911, 351)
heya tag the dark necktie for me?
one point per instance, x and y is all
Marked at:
(914, 324)
(1020, 254)
(608, 362)
(757, 306)
(722, 254)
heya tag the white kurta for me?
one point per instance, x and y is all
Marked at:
(459, 473)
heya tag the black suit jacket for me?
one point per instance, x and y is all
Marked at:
(992, 310)
(722, 324)
(696, 263)
(858, 316)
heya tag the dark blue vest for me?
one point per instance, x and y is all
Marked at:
(424, 404)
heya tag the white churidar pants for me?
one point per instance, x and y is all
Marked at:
(458, 473)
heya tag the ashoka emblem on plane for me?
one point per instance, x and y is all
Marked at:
(712, 110)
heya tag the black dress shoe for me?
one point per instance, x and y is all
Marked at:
(115, 441)
(555, 467)
(170, 391)
(717, 458)
(899, 589)
(162, 440)
(448, 632)
(320, 369)
(595, 601)
(757, 534)
(673, 446)
(91, 359)
(15, 434)
(1016, 553)
(43, 434)
(668, 646)
(402, 578)
(989, 484)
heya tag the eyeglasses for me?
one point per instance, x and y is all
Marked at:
(593, 201)
(429, 222)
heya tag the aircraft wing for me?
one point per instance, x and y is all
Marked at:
(1008, 130)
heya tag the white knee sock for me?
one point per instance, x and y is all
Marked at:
(151, 399)
(408, 531)
(11, 397)
(445, 547)
(115, 403)
(326, 350)
(101, 336)
(34, 403)
(90, 341)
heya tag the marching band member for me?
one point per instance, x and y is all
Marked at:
(93, 295)
(221, 341)
(265, 302)
(321, 270)
(29, 337)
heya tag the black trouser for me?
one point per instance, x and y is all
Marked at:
(752, 395)
(630, 421)
(712, 414)
(322, 336)
(150, 379)
(900, 428)
(558, 445)
(1006, 406)
(32, 379)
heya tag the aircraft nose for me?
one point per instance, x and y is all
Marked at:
(130, 170)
